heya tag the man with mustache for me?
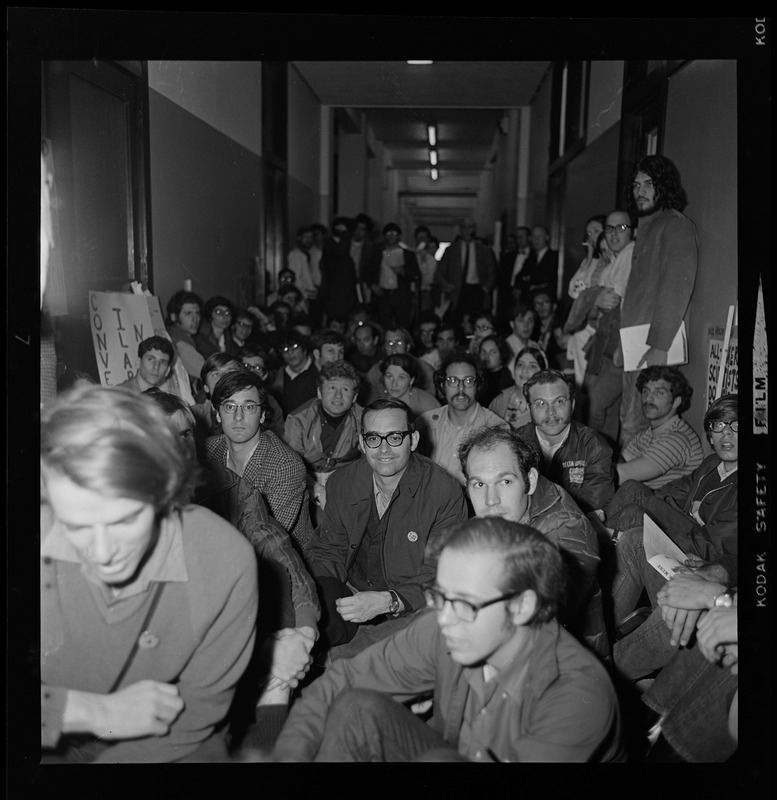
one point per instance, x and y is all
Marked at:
(668, 448)
(458, 380)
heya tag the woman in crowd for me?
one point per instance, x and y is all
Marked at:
(215, 332)
(494, 354)
(148, 604)
(510, 404)
(400, 375)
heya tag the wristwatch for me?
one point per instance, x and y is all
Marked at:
(394, 605)
(723, 600)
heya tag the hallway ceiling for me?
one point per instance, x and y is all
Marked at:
(465, 99)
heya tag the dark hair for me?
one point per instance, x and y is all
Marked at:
(216, 361)
(391, 226)
(446, 325)
(530, 560)
(547, 376)
(403, 361)
(290, 288)
(347, 222)
(170, 403)
(421, 229)
(303, 229)
(389, 404)
(295, 337)
(678, 384)
(724, 409)
(362, 218)
(237, 381)
(521, 310)
(326, 336)
(536, 352)
(161, 343)
(666, 182)
(600, 218)
(505, 353)
(489, 438)
(525, 228)
(428, 316)
(338, 369)
(215, 302)
(178, 301)
(441, 373)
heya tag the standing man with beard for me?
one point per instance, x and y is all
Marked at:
(663, 271)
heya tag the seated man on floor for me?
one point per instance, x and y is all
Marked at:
(459, 381)
(573, 455)
(503, 480)
(287, 625)
(368, 556)
(148, 603)
(155, 360)
(254, 452)
(533, 693)
(699, 513)
(326, 432)
(669, 447)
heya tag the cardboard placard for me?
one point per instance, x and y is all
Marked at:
(119, 322)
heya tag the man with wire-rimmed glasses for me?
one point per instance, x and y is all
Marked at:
(368, 556)
(509, 683)
(458, 380)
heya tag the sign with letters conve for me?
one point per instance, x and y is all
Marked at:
(120, 321)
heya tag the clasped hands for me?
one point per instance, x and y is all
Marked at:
(289, 654)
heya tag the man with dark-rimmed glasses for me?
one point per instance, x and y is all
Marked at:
(368, 556)
(509, 683)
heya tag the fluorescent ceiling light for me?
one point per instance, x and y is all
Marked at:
(435, 174)
(420, 63)
(433, 157)
(432, 135)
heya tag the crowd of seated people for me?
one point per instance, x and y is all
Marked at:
(358, 523)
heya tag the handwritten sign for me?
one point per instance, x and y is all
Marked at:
(120, 321)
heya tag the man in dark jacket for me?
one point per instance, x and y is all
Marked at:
(572, 454)
(369, 555)
(501, 470)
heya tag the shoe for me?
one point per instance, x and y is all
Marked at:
(631, 622)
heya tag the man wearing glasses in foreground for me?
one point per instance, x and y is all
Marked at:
(369, 554)
(509, 683)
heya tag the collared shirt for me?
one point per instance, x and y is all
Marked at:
(615, 275)
(166, 562)
(383, 501)
(548, 449)
(444, 436)
(520, 260)
(388, 264)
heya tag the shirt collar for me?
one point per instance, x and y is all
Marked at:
(166, 563)
(546, 445)
(723, 472)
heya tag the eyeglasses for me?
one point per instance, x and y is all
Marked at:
(457, 383)
(289, 347)
(375, 440)
(256, 368)
(463, 609)
(222, 312)
(249, 409)
(559, 404)
(392, 342)
(613, 228)
(719, 426)
(244, 323)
